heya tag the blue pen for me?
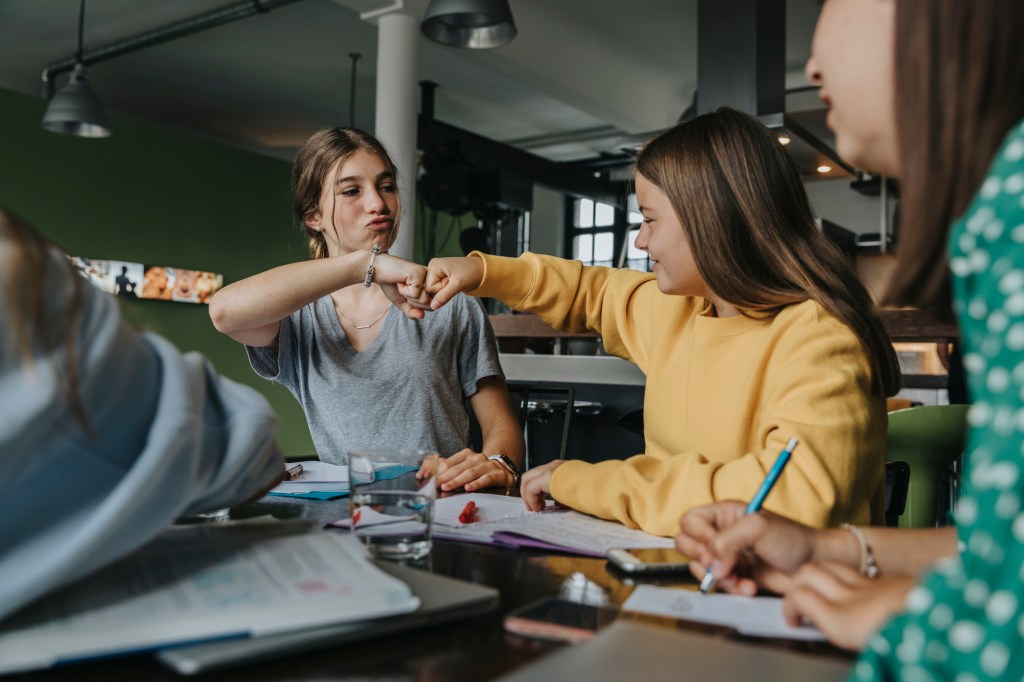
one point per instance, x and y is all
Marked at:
(708, 583)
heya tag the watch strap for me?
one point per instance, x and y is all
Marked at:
(506, 463)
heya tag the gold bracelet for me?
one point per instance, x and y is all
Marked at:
(368, 280)
(868, 564)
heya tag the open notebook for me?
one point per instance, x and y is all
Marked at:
(442, 600)
(504, 520)
(204, 583)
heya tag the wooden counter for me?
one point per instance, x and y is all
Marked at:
(902, 325)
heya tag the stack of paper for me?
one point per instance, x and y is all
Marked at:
(323, 481)
(202, 586)
(316, 479)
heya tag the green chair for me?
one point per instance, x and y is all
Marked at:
(929, 439)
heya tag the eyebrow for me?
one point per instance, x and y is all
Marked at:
(384, 175)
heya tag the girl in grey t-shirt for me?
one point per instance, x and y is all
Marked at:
(346, 331)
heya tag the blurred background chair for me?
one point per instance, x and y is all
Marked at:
(541, 404)
(931, 440)
(545, 412)
(897, 481)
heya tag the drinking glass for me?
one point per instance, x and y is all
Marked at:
(392, 500)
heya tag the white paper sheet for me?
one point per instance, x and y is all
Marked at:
(190, 589)
(560, 528)
(316, 477)
(488, 508)
(320, 471)
(754, 616)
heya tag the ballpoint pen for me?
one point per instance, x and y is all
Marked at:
(708, 582)
(293, 472)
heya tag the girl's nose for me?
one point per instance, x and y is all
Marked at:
(641, 237)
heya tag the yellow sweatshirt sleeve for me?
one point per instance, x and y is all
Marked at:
(816, 387)
(617, 304)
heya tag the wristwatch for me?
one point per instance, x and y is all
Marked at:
(506, 463)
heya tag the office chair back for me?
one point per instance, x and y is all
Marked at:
(929, 439)
(897, 481)
(538, 404)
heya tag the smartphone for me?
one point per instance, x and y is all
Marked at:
(558, 620)
(634, 561)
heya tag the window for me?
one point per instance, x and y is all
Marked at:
(601, 234)
(635, 258)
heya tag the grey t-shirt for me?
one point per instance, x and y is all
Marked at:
(405, 390)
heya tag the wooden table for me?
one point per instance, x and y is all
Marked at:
(474, 649)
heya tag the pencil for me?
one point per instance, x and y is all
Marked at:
(708, 583)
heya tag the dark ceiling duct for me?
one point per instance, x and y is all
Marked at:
(741, 63)
(163, 34)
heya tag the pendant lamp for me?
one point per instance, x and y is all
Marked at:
(75, 109)
(471, 24)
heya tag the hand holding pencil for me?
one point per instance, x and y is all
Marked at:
(745, 551)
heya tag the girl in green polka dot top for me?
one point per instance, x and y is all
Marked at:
(931, 93)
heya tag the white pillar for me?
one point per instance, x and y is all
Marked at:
(398, 34)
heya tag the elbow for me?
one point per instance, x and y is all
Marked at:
(219, 314)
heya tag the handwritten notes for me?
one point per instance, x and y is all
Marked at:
(753, 616)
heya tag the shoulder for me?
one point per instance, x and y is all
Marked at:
(810, 321)
(809, 312)
(989, 238)
(1001, 194)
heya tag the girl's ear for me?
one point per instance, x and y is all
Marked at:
(313, 222)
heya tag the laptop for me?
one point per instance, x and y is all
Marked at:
(628, 650)
(442, 600)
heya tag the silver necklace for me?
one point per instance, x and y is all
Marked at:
(365, 326)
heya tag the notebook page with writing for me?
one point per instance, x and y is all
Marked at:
(505, 520)
(753, 616)
(194, 589)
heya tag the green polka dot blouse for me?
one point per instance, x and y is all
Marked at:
(964, 621)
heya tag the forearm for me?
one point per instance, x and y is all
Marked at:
(552, 288)
(897, 551)
(505, 439)
(271, 296)
(498, 424)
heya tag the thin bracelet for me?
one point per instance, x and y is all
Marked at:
(368, 280)
(868, 564)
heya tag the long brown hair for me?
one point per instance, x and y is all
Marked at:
(750, 227)
(959, 85)
(30, 333)
(316, 157)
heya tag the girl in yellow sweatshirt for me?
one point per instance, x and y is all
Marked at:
(752, 329)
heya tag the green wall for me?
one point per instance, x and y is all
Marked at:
(152, 195)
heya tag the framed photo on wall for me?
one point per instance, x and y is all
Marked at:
(158, 282)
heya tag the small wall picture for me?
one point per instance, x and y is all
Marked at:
(160, 282)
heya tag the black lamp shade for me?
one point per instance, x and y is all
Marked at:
(473, 24)
(76, 110)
